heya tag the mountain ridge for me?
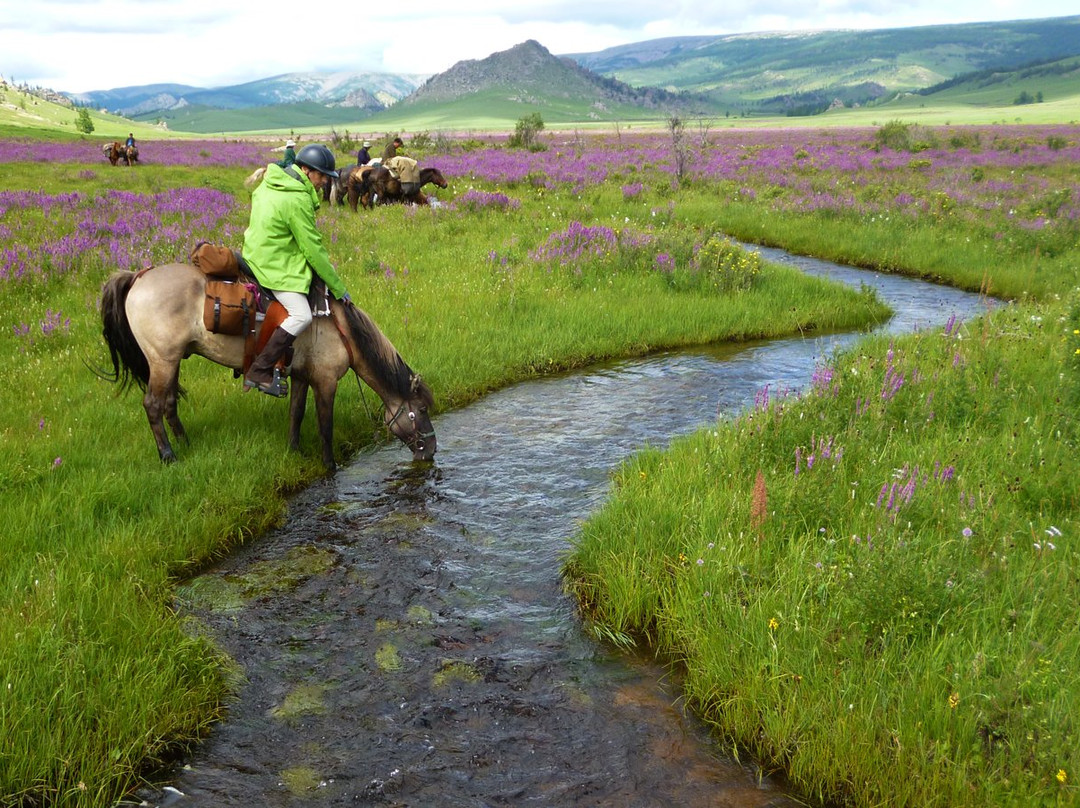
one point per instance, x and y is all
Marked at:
(533, 74)
(761, 73)
(361, 89)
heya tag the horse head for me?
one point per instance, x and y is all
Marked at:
(410, 423)
(434, 176)
(407, 399)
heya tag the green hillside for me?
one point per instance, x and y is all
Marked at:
(22, 113)
(276, 118)
(764, 72)
(497, 108)
(1050, 82)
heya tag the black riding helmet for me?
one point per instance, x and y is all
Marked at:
(317, 156)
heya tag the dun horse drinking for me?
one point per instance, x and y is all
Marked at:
(154, 319)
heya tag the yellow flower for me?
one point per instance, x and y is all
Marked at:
(954, 700)
(1061, 776)
(773, 624)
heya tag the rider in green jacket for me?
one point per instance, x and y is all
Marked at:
(283, 247)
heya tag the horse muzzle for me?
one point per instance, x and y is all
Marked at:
(424, 447)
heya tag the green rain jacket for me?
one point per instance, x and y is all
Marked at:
(282, 244)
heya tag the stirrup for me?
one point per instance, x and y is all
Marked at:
(276, 387)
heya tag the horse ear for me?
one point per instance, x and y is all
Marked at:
(414, 383)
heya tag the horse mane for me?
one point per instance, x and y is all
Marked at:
(383, 359)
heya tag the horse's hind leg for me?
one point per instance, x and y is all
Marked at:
(172, 416)
(160, 401)
(297, 406)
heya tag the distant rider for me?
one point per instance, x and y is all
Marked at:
(290, 154)
(391, 149)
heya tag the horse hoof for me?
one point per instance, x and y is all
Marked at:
(168, 457)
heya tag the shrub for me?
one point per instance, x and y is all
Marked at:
(83, 122)
(525, 132)
(726, 266)
(895, 135)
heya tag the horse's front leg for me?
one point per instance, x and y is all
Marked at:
(297, 406)
(160, 399)
(324, 409)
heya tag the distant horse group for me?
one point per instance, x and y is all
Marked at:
(117, 151)
(371, 185)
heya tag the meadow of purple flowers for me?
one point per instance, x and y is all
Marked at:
(158, 152)
(45, 236)
(999, 177)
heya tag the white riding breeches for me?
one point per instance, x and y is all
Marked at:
(296, 304)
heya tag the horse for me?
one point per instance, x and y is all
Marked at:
(117, 151)
(378, 185)
(339, 185)
(153, 319)
(255, 177)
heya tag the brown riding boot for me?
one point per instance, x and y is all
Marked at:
(263, 375)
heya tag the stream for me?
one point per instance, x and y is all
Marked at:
(404, 639)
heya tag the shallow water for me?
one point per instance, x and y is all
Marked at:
(405, 638)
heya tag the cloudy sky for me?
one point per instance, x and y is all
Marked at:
(81, 45)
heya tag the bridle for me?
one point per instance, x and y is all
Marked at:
(415, 441)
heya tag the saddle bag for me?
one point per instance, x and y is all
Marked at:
(229, 308)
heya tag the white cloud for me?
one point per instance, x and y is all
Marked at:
(80, 45)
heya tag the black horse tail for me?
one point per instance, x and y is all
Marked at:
(128, 360)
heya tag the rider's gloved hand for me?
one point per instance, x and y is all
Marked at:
(345, 298)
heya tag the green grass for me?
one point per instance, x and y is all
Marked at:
(103, 680)
(886, 613)
(23, 114)
(99, 679)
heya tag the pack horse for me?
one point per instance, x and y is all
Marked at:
(152, 320)
(117, 151)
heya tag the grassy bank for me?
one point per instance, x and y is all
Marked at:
(872, 586)
(101, 680)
